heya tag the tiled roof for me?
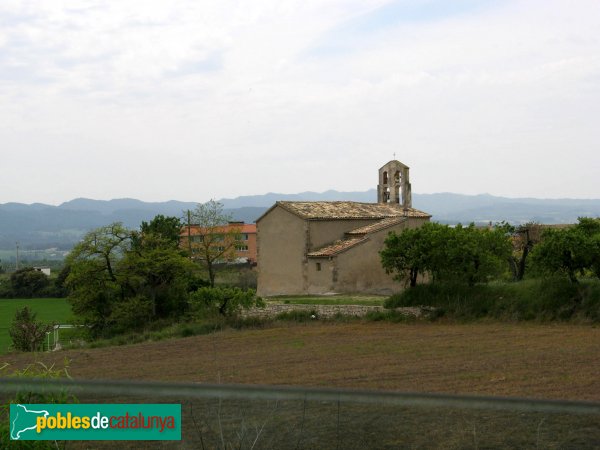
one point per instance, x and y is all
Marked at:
(377, 226)
(348, 210)
(246, 228)
(337, 247)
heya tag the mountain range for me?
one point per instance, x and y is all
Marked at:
(39, 226)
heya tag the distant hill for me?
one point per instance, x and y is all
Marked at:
(39, 226)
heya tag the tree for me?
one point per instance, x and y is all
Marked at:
(570, 251)
(410, 253)
(26, 333)
(28, 282)
(93, 279)
(159, 272)
(213, 240)
(166, 228)
(523, 238)
(471, 255)
(120, 279)
(459, 254)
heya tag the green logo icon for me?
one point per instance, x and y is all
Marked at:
(95, 422)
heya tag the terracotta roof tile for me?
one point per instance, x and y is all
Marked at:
(377, 226)
(348, 210)
(337, 247)
(247, 228)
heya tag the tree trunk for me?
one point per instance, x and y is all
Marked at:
(211, 274)
(413, 277)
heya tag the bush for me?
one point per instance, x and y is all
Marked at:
(227, 301)
(26, 333)
(538, 299)
(28, 282)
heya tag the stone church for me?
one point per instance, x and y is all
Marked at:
(326, 247)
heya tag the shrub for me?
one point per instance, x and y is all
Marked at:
(227, 301)
(26, 333)
(537, 299)
(28, 282)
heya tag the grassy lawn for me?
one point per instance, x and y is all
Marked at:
(47, 310)
(368, 300)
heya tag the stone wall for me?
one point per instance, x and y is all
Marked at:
(328, 311)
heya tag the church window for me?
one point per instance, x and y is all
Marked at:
(318, 267)
(385, 177)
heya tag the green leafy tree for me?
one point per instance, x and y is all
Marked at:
(165, 229)
(411, 253)
(120, 278)
(459, 254)
(26, 332)
(159, 272)
(570, 251)
(28, 282)
(213, 240)
(94, 281)
(476, 255)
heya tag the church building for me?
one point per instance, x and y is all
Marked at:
(325, 247)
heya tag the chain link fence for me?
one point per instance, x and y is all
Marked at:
(266, 417)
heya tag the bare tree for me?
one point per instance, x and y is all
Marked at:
(212, 238)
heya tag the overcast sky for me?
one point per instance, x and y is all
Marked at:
(198, 99)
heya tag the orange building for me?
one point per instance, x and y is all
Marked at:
(245, 247)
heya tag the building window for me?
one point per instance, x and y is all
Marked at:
(318, 267)
(242, 248)
(245, 237)
(198, 238)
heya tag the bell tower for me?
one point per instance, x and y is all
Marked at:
(394, 184)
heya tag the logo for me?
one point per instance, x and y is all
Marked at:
(95, 422)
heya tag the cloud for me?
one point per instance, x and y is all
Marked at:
(218, 99)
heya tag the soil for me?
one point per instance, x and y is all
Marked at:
(523, 360)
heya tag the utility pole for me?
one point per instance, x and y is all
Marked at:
(189, 230)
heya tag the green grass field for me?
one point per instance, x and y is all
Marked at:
(47, 310)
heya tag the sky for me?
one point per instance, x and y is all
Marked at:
(198, 99)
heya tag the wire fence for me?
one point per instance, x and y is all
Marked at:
(267, 417)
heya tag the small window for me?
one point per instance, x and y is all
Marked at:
(244, 237)
(385, 177)
(318, 267)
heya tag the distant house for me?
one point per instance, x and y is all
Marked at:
(45, 270)
(245, 248)
(322, 247)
